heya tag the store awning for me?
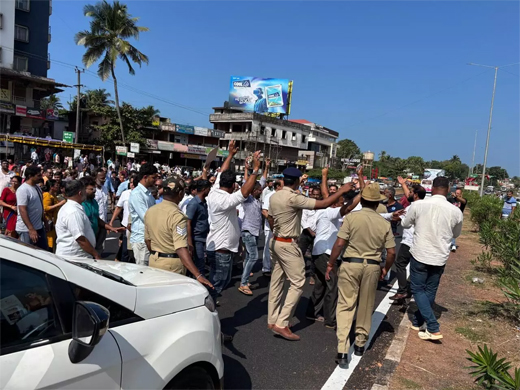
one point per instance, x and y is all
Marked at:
(27, 140)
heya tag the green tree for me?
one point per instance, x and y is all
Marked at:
(135, 121)
(348, 149)
(52, 101)
(107, 40)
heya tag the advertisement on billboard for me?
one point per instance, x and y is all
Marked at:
(52, 114)
(264, 96)
(6, 107)
(431, 174)
(151, 144)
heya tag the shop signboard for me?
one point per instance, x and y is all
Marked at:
(68, 136)
(167, 126)
(202, 131)
(156, 121)
(52, 114)
(134, 147)
(167, 146)
(21, 110)
(151, 144)
(220, 153)
(264, 96)
(5, 95)
(185, 129)
(8, 108)
(130, 155)
(35, 113)
(193, 156)
(196, 149)
(217, 133)
(121, 150)
(77, 153)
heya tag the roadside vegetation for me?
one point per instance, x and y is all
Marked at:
(500, 261)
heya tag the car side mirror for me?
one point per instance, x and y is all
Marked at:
(89, 324)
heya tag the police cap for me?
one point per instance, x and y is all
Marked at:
(292, 172)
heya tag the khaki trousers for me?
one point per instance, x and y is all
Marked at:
(167, 264)
(286, 263)
(355, 280)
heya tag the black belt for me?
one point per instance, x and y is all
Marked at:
(168, 255)
(360, 261)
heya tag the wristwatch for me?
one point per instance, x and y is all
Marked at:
(254, 172)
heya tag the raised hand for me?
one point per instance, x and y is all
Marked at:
(233, 147)
(256, 160)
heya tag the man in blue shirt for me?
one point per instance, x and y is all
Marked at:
(141, 199)
(509, 205)
(198, 224)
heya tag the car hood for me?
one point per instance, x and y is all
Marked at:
(158, 292)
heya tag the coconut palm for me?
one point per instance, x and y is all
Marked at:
(52, 101)
(107, 40)
(98, 97)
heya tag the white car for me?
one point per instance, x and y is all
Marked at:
(103, 325)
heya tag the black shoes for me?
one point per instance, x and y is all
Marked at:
(342, 359)
(359, 351)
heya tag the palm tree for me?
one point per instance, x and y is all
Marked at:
(52, 101)
(110, 27)
(98, 97)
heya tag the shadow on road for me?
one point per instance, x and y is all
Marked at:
(235, 375)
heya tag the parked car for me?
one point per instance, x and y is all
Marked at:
(90, 324)
(382, 186)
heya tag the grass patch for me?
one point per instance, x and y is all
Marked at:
(472, 335)
(409, 384)
(504, 310)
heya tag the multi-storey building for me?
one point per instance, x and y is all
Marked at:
(321, 146)
(278, 139)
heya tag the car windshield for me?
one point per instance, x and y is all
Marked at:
(101, 272)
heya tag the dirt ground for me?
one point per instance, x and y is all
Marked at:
(428, 365)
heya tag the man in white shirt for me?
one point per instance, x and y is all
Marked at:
(402, 260)
(191, 192)
(324, 296)
(122, 204)
(266, 261)
(75, 237)
(436, 223)
(267, 190)
(224, 232)
(102, 200)
(306, 239)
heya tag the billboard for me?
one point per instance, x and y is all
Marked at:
(431, 174)
(264, 96)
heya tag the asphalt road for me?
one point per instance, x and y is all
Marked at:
(257, 359)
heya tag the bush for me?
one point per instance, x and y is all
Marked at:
(491, 372)
(487, 209)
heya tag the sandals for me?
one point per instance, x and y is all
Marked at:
(245, 290)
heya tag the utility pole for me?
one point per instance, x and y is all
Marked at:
(78, 113)
(490, 118)
(474, 149)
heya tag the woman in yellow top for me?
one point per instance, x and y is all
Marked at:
(51, 206)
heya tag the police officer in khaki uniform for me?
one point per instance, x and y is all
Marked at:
(166, 234)
(285, 213)
(365, 234)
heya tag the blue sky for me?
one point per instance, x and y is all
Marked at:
(391, 76)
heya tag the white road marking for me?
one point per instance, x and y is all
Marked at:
(340, 376)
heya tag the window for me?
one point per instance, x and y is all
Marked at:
(262, 130)
(273, 132)
(23, 5)
(118, 314)
(303, 138)
(27, 308)
(21, 64)
(284, 134)
(21, 33)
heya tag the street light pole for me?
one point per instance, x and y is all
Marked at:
(474, 149)
(489, 131)
(490, 118)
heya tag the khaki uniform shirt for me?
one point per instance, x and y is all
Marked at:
(166, 227)
(285, 206)
(367, 234)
